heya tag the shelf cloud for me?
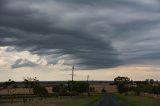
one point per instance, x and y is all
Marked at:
(91, 34)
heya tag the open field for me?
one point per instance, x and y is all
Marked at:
(22, 91)
(61, 101)
(137, 100)
(107, 87)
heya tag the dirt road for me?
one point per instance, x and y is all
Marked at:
(109, 100)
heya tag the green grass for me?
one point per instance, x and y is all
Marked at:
(60, 101)
(137, 100)
(87, 101)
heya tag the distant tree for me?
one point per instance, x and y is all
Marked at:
(146, 81)
(30, 83)
(40, 91)
(79, 86)
(122, 80)
(122, 83)
(103, 90)
(72, 88)
(151, 81)
(148, 88)
(131, 82)
(92, 89)
(60, 89)
(10, 86)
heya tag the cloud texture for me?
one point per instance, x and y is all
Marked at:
(91, 34)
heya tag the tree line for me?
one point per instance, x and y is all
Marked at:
(31, 83)
(124, 85)
(34, 87)
(73, 88)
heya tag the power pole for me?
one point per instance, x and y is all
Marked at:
(87, 78)
(72, 72)
(88, 84)
(72, 81)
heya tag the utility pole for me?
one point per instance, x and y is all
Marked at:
(72, 81)
(87, 78)
(72, 72)
(88, 84)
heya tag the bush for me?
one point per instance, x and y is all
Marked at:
(72, 88)
(122, 88)
(78, 86)
(60, 90)
(40, 91)
(147, 89)
(91, 89)
(103, 91)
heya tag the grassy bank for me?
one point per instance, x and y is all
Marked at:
(87, 101)
(61, 101)
(137, 100)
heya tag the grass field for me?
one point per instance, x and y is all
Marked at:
(137, 100)
(89, 101)
(62, 101)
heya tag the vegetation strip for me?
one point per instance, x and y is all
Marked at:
(89, 101)
(137, 100)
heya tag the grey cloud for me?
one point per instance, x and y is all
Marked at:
(95, 34)
(23, 63)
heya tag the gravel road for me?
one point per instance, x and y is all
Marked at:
(109, 100)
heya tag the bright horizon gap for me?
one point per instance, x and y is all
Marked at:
(101, 74)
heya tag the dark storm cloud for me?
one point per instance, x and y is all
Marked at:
(94, 34)
(23, 63)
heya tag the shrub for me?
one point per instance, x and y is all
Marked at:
(103, 91)
(40, 91)
(78, 86)
(60, 89)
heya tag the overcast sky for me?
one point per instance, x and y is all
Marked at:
(102, 38)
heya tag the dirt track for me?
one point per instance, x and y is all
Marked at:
(109, 100)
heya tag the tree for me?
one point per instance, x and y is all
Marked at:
(40, 91)
(151, 81)
(122, 83)
(91, 89)
(148, 88)
(10, 86)
(103, 90)
(60, 89)
(122, 80)
(79, 86)
(30, 83)
(72, 88)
